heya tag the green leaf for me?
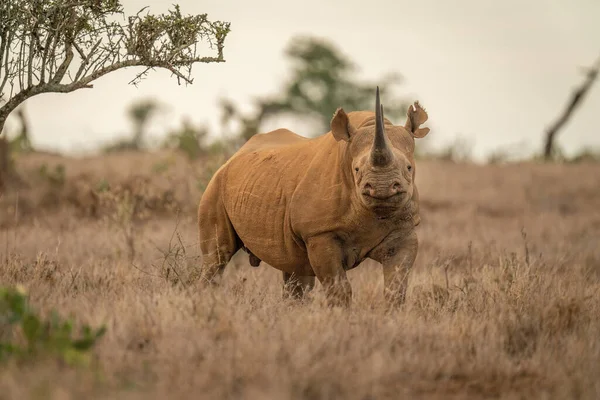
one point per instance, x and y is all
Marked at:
(89, 339)
(45, 336)
(7, 348)
(74, 357)
(31, 328)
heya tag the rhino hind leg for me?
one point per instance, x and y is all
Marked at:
(218, 240)
(297, 286)
(216, 254)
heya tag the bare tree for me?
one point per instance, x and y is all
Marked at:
(575, 100)
(59, 46)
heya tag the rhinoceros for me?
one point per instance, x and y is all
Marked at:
(317, 207)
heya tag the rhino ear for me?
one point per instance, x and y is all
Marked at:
(416, 116)
(341, 128)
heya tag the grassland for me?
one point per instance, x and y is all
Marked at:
(504, 300)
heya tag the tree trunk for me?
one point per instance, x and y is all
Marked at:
(22, 140)
(575, 100)
(4, 157)
(8, 174)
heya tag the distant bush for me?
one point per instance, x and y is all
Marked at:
(586, 155)
(25, 334)
(55, 177)
(559, 155)
(458, 151)
(189, 139)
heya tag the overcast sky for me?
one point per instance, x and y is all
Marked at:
(495, 72)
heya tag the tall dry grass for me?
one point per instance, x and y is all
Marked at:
(504, 300)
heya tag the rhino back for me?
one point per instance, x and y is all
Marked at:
(279, 138)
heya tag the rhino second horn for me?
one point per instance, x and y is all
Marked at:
(381, 152)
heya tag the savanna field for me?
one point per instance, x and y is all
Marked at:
(503, 302)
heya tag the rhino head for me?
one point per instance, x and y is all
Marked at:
(380, 155)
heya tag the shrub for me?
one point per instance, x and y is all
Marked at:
(25, 335)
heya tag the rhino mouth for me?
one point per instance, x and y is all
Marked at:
(385, 197)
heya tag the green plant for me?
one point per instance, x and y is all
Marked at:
(25, 334)
(123, 217)
(56, 177)
(189, 139)
(585, 155)
(103, 186)
(161, 166)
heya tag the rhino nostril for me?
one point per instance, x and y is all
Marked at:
(397, 187)
(368, 189)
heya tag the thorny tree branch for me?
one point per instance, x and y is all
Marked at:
(64, 45)
(576, 98)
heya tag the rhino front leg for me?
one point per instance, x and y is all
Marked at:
(297, 286)
(325, 256)
(397, 254)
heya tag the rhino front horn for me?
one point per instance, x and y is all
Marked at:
(381, 152)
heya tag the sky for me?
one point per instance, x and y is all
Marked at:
(493, 73)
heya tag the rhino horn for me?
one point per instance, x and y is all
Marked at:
(381, 152)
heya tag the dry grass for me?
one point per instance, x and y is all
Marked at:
(504, 301)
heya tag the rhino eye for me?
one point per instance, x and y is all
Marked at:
(356, 169)
(409, 167)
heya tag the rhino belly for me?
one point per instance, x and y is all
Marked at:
(264, 235)
(260, 219)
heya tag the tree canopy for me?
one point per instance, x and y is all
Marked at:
(322, 79)
(64, 45)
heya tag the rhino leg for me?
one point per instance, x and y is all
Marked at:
(297, 286)
(325, 256)
(218, 239)
(397, 254)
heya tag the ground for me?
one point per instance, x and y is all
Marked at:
(503, 301)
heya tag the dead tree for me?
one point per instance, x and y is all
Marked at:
(575, 100)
